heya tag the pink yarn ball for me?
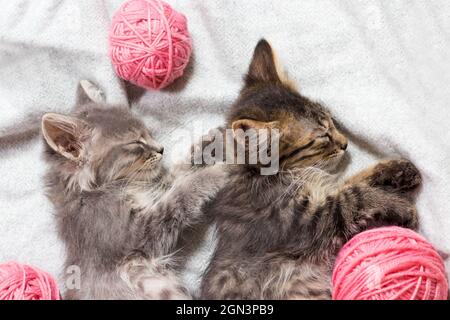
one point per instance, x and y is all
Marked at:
(389, 263)
(22, 282)
(150, 45)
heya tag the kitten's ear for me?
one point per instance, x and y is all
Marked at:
(88, 92)
(246, 124)
(243, 125)
(264, 67)
(64, 134)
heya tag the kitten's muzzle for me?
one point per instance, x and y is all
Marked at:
(156, 148)
(152, 151)
(340, 141)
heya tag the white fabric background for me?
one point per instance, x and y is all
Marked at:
(382, 67)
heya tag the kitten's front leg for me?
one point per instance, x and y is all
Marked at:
(359, 206)
(210, 149)
(388, 187)
(397, 176)
(180, 207)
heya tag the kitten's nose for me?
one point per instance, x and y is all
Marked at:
(341, 141)
(156, 148)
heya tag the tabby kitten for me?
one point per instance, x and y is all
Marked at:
(118, 211)
(279, 235)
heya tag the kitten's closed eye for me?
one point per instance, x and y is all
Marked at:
(138, 142)
(325, 136)
(323, 141)
(143, 146)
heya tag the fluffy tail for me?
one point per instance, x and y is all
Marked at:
(22, 132)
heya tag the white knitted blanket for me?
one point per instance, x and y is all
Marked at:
(382, 67)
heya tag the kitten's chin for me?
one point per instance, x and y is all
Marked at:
(151, 171)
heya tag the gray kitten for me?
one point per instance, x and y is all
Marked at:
(119, 212)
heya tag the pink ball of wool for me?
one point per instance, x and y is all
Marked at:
(150, 45)
(23, 282)
(389, 263)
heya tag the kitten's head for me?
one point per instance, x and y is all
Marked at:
(97, 144)
(308, 136)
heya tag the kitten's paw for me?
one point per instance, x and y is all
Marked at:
(151, 279)
(404, 215)
(207, 181)
(396, 175)
(201, 155)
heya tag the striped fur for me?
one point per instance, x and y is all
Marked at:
(279, 235)
(118, 211)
